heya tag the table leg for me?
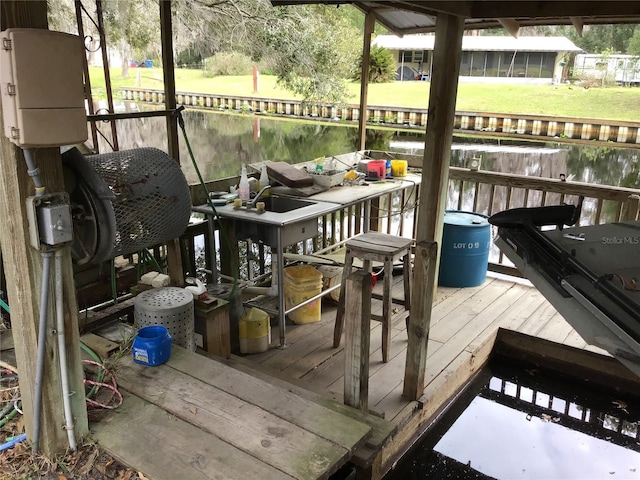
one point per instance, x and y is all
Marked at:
(212, 249)
(280, 276)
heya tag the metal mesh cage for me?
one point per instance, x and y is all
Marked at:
(126, 201)
(171, 307)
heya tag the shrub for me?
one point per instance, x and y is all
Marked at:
(228, 63)
(382, 66)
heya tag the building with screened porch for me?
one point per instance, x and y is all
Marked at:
(488, 59)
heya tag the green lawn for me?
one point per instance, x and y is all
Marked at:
(563, 100)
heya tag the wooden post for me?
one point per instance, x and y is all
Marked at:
(420, 319)
(631, 208)
(357, 333)
(433, 193)
(369, 24)
(439, 133)
(23, 269)
(174, 257)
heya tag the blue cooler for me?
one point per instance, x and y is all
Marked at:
(466, 239)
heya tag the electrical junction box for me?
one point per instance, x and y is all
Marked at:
(41, 79)
(50, 221)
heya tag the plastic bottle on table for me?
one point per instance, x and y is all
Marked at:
(243, 187)
(264, 177)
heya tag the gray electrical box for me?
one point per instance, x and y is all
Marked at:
(50, 221)
(42, 87)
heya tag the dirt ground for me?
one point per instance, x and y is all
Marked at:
(87, 463)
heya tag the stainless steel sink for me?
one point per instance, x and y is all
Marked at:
(285, 222)
(294, 219)
(285, 204)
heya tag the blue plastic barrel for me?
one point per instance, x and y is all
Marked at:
(148, 63)
(152, 345)
(466, 239)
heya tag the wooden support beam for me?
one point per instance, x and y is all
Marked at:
(577, 24)
(439, 133)
(357, 336)
(435, 177)
(169, 78)
(510, 25)
(174, 257)
(369, 24)
(23, 268)
(420, 319)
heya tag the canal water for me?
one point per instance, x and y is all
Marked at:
(222, 142)
(522, 422)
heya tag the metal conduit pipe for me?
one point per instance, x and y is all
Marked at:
(62, 351)
(42, 335)
(34, 172)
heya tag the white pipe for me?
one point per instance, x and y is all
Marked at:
(271, 291)
(62, 352)
(42, 338)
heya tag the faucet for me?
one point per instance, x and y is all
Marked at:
(259, 195)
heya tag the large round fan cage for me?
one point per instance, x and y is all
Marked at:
(123, 202)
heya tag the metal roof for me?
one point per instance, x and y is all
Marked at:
(481, 43)
(419, 16)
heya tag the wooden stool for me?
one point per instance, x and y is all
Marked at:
(377, 247)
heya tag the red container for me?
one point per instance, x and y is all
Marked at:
(376, 168)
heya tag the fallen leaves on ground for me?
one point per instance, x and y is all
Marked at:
(89, 462)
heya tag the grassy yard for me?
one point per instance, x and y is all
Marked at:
(619, 103)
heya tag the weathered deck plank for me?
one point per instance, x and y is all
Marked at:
(511, 319)
(466, 310)
(279, 401)
(164, 447)
(274, 439)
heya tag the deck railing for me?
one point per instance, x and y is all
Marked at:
(490, 192)
(474, 191)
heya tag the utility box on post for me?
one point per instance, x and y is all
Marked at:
(41, 79)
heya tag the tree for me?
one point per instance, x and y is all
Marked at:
(598, 38)
(211, 26)
(313, 49)
(133, 26)
(634, 43)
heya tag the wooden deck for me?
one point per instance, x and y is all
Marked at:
(203, 416)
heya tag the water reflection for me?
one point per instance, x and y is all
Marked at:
(533, 424)
(222, 142)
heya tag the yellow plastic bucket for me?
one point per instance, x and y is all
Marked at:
(399, 168)
(300, 284)
(254, 331)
